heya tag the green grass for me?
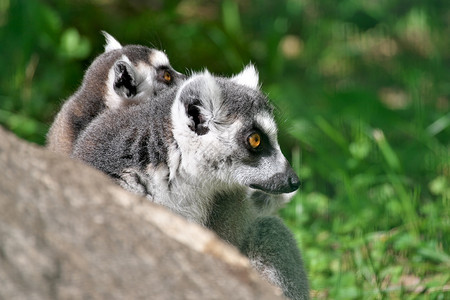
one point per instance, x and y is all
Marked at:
(379, 234)
(373, 221)
(362, 98)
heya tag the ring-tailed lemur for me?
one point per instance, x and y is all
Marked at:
(124, 77)
(197, 150)
(120, 76)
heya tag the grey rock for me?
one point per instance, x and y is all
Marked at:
(68, 232)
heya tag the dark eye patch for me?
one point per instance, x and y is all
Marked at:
(264, 145)
(165, 75)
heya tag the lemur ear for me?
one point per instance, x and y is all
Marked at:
(124, 79)
(202, 98)
(111, 43)
(248, 77)
(198, 120)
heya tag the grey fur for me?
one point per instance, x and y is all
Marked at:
(186, 149)
(130, 83)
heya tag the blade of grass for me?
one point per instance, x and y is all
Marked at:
(386, 150)
(439, 125)
(332, 133)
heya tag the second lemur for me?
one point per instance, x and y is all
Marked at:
(120, 76)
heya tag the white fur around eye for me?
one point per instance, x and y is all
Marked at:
(267, 124)
(159, 59)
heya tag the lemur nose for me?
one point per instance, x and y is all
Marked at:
(285, 182)
(294, 182)
(292, 178)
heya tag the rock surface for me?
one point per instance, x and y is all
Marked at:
(68, 232)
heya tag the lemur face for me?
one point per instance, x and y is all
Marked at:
(136, 73)
(226, 132)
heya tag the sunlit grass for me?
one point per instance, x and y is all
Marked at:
(379, 235)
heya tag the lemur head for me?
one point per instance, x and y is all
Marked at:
(125, 75)
(225, 132)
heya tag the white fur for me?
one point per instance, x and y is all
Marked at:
(267, 124)
(211, 98)
(111, 42)
(269, 272)
(158, 59)
(174, 161)
(145, 75)
(248, 77)
(179, 195)
(180, 120)
(182, 194)
(190, 198)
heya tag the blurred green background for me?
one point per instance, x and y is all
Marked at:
(362, 90)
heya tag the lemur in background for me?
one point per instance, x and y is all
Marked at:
(121, 76)
(198, 149)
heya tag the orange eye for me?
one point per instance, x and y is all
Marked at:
(254, 140)
(167, 77)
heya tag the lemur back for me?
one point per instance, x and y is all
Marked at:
(121, 76)
(197, 150)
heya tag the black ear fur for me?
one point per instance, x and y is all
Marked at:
(198, 120)
(125, 79)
